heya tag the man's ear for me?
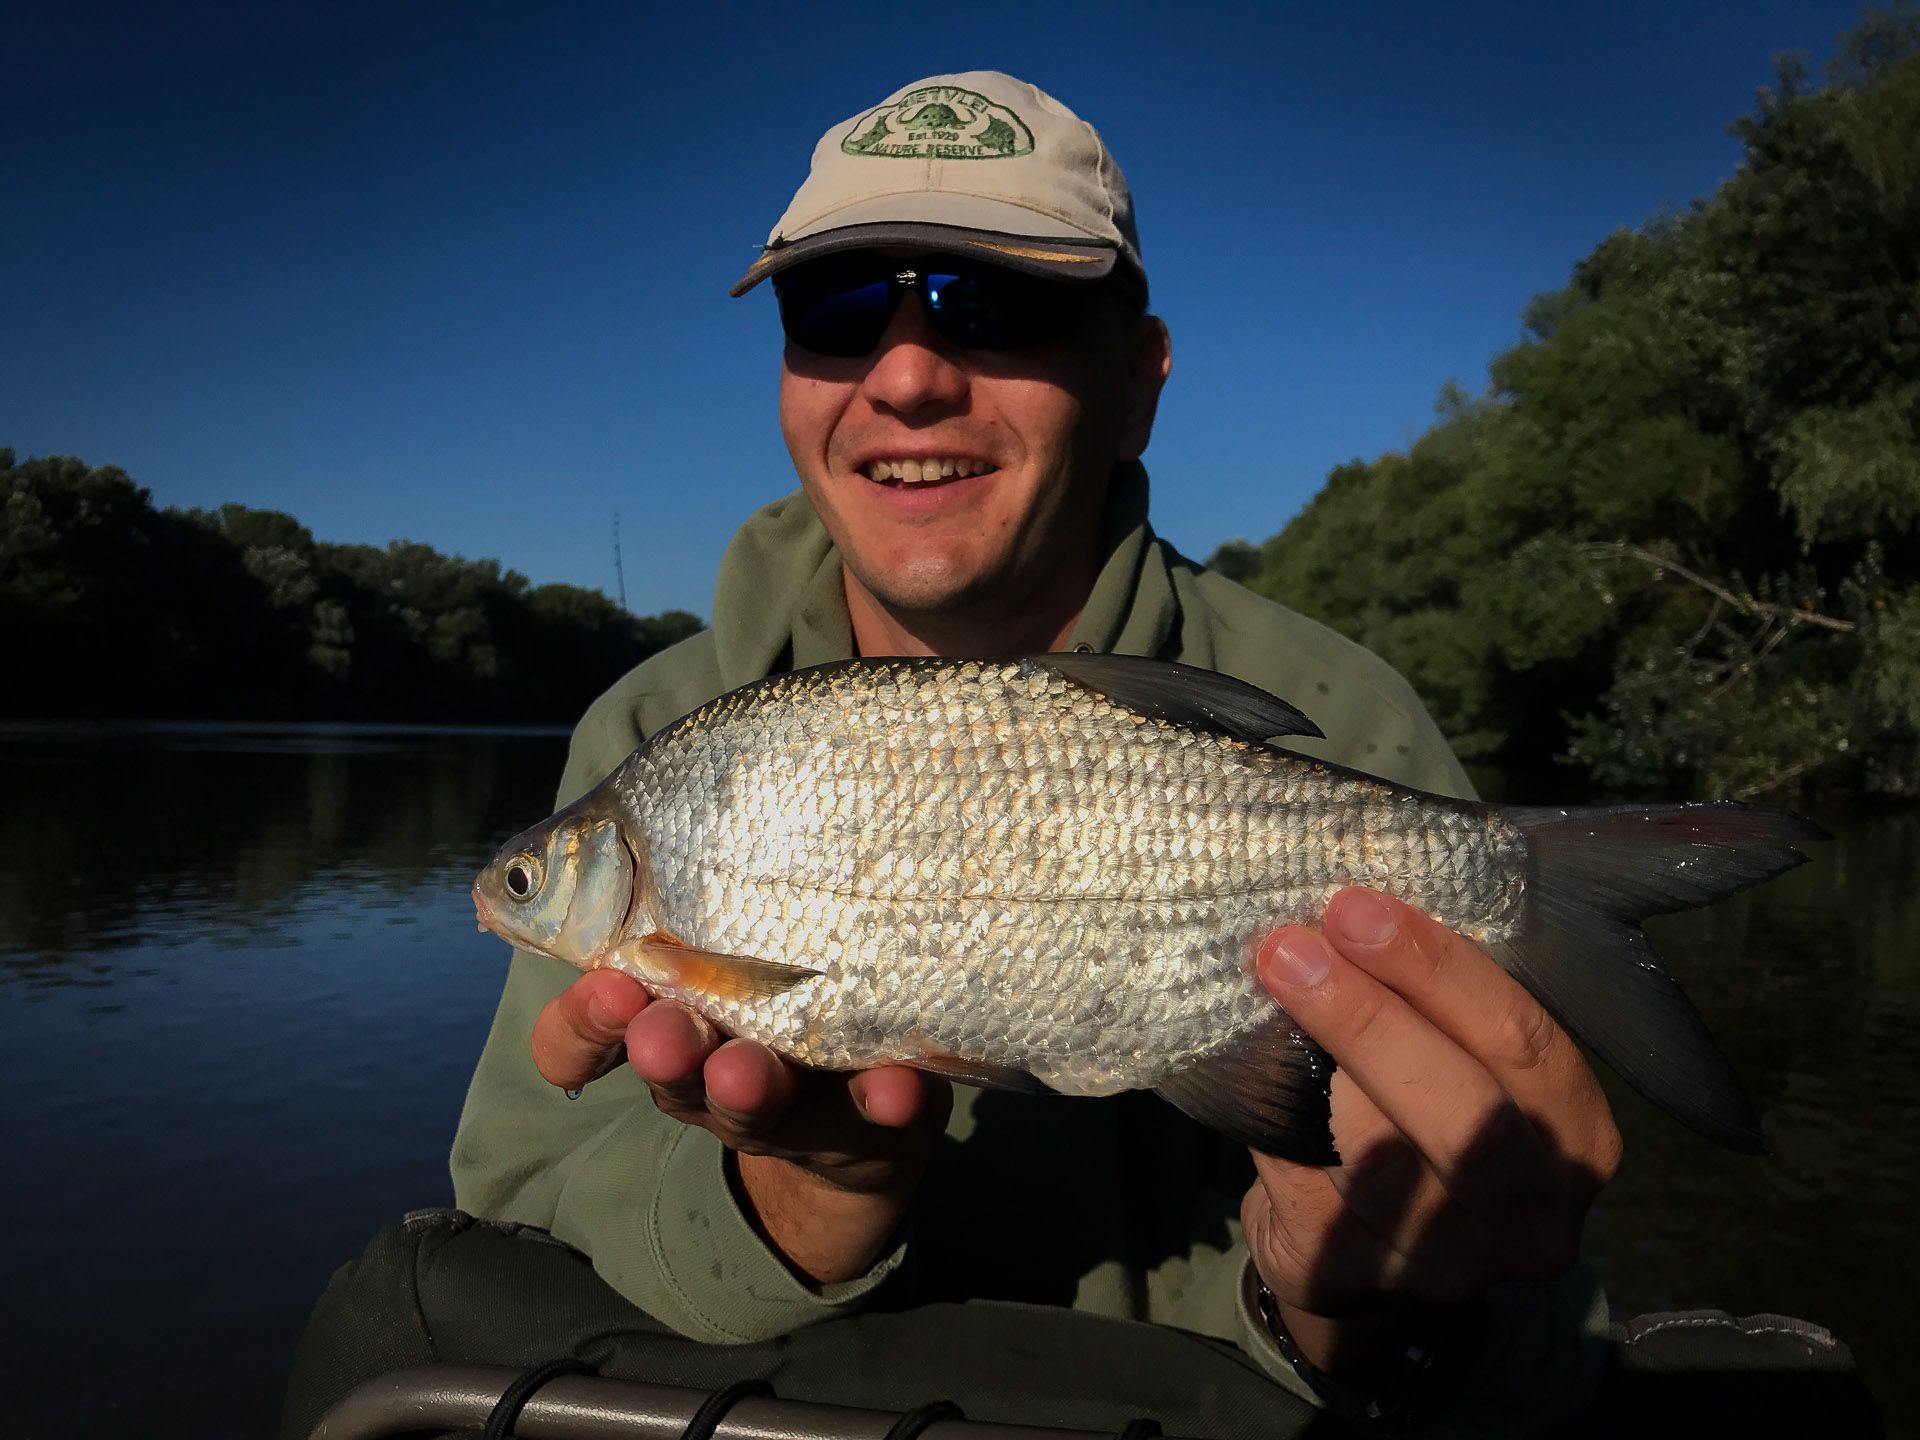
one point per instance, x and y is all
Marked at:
(1148, 366)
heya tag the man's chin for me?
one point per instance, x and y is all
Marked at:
(935, 601)
(935, 590)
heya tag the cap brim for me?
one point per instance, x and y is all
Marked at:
(1049, 257)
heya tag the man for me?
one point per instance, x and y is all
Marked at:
(969, 380)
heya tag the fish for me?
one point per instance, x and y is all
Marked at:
(1050, 874)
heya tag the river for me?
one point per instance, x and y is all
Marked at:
(241, 992)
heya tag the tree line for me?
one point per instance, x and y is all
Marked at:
(1674, 545)
(115, 607)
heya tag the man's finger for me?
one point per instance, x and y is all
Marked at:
(1457, 988)
(668, 1045)
(580, 1029)
(749, 1091)
(894, 1096)
(1435, 1093)
(1383, 1185)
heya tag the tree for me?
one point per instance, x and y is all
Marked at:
(1677, 544)
(118, 608)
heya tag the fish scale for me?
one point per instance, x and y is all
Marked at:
(985, 866)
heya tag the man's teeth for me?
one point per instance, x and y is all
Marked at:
(912, 472)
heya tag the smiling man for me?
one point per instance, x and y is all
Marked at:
(970, 378)
(963, 498)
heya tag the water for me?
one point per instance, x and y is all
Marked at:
(240, 995)
(1812, 985)
(241, 991)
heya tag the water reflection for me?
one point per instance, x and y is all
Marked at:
(106, 827)
(240, 996)
(1812, 985)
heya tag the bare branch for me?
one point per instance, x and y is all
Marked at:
(1706, 625)
(1774, 633)
(1745, 604)
(1780, 777)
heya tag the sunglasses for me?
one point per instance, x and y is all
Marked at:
(842, 305)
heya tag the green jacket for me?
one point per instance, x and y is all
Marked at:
(1120, 1206)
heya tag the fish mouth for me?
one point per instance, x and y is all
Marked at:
(482, 913)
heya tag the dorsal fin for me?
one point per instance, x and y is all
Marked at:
(1182, 694)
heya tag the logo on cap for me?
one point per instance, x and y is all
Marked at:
(940, 122)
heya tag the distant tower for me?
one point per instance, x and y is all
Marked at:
(619, 573)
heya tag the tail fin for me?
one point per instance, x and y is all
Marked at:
(1597, 873)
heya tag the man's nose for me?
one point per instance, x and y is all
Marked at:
(912, 367)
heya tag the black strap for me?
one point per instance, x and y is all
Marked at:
(909, 1425)
(1140, 1428)
(714, 1408)
(514, 1398)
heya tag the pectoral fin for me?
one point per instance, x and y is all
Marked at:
(660, 960)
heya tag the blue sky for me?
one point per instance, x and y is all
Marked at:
(456, 272)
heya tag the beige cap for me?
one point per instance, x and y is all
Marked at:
(976, 163)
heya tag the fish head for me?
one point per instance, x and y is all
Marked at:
(565, 888)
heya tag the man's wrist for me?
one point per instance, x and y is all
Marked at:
(824, 1232)
(1352, 1347)
(1391, 1372)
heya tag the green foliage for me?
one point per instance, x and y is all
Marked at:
(118, 608)
(1236, 559)
(1677, 544)
(1853, 474)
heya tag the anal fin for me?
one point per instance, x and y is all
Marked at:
(1269, 1092)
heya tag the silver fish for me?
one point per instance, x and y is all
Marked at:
(1050, 873)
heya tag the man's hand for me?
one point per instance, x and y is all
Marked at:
(1473, 1133)
(827, 1163)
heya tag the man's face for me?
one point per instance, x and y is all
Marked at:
(1023, 442)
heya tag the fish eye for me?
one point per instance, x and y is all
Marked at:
(522, 877)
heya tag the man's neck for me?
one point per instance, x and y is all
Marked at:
(879, 631)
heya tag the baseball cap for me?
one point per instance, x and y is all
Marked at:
(977, 163)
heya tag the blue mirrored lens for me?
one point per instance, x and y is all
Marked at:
(972, 310)
(844, 319)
